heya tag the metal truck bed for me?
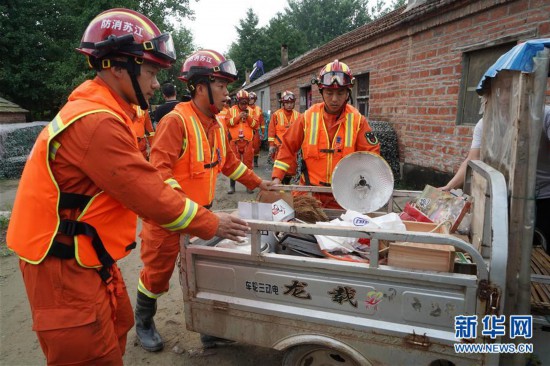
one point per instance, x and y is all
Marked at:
(357, 312)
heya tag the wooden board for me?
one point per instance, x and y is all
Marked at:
(431, 257)
(540, 292)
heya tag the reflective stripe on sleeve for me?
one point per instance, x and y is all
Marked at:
(172, 183)
(237, 173)
(185, 218)
(280, 165)
(149, 294)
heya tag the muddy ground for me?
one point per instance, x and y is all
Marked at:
(19, 345)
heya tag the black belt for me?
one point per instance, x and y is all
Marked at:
(324, 184)
(60, 250)
(72, 228)
(211, 165)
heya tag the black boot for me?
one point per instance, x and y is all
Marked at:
(256, 161)
(231, 187)
(146, 331)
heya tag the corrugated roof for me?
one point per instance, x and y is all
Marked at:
(8, 107)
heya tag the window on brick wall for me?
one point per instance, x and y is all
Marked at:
(279, 100)
(362, 86)
(305, 98)
(262, 101)
(475, 63)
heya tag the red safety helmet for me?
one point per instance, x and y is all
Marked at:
(335, 75)
(242, 95)
(126, 32)
(208, 63)
(287, 96)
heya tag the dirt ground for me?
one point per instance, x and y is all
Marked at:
(19, 345)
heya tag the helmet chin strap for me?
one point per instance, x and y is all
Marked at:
(213, 107)
(134, 70)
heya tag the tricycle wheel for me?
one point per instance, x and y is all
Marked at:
(316, 355)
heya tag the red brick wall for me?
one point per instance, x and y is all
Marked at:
(415, 74)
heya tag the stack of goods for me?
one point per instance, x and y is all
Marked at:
(433, 211)
(436, 206)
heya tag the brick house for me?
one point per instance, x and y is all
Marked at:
(417, 68)
(11, 112)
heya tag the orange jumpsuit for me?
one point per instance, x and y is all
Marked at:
(324, 157)
(143, 127)
(79, 319)
(280, 122)
(160, 248)
(242, 134)
(258, 115)
(223, 113)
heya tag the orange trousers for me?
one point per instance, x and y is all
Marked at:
(78, 319)
(256, 143)
(244, 150)
(159, 252)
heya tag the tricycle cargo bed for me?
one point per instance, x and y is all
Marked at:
(368, 313)
(238, 296)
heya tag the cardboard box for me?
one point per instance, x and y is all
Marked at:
(277, 211)
(430, 257)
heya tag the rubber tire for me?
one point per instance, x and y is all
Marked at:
(316, 355)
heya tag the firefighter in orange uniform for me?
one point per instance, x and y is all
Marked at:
(224, 111)
(280, 122)
(143, 128)
(326, 133)
(192, 148)
(241, 127)
(75, 211)
(259, 132)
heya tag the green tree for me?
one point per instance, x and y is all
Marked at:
(323, 20)
(381, 7)
(304, 25)
(246, 50)
(39, 64)
(280, 32)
